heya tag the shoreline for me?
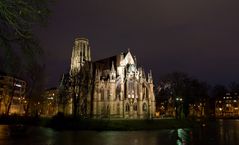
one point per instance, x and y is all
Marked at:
(68, 123)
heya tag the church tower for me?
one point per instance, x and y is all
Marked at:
(80, 55)
(112, 87)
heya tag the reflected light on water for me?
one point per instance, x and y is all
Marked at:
(184, 136)
(224, 132)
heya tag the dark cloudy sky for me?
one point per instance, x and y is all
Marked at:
(200, 37)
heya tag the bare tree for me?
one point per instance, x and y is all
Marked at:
(63, 98)
(17, 18)
(34, 98)
(81, 87)
(184, 90)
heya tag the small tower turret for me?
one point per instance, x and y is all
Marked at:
(121, 59)
(112, 72)
(150, 77)
(135, 61)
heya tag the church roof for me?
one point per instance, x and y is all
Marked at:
(106, 63)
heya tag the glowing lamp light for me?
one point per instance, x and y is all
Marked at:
(18, 85)
(220, 109)
(157, 114)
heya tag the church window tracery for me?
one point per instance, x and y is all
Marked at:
(127, 109)
(135, 107)
(144, 107)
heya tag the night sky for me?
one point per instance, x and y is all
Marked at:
(199, 37)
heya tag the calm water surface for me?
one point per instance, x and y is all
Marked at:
(219, 133)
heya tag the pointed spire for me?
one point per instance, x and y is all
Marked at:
(121, 55)
(140, 71)
(89, 53)
(96, 71)
(113, 72)
(112, 67)
(121, 58)
(128, 49)
(97, 74)
(150, 77)
(143, 73)
(135, 60)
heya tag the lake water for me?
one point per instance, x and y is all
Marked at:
(214, 133)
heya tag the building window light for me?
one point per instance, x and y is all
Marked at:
(234, 100)
(18, 85)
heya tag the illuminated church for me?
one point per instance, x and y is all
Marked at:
(113, 87)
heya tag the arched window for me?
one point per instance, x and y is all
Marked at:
(135, 107)
(127, 108)
(144, 107)
(144, 92)
(118, 108)
(102, 94)
(108, 95)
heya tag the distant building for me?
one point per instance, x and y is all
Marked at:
(197, 109)
(12, 93)
(227, 106)
(169, 106)
(166, 107)
(114, 87)
(50, 104)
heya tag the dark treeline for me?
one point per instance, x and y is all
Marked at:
(21, 54)
(181, 90)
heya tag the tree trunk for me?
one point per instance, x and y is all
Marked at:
(11, 97)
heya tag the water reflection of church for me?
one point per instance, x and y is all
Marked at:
(116, 87)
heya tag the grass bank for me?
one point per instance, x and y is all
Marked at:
(122, 125)
(69, 123)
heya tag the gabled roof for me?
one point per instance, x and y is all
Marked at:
(106, 63)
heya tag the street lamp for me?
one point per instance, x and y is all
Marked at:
(178, 106)
(179, 99)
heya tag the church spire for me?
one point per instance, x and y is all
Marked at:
(150, 77)
(112, 67)
(128, 49)
(112, 72)
(135, 60)
(80, 54)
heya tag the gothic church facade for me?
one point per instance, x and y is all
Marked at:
(114, 87)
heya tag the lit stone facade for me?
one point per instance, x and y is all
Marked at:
(12, 93)
(227, 106)
(116, 86)
(50, 107)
